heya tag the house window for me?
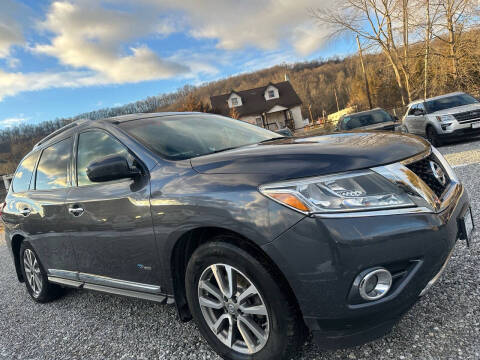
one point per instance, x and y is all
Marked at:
(259, 121)
(234, 101)
(271, 93)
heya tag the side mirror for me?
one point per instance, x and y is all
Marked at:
(111, 168)
(396, 119)
(419, 112)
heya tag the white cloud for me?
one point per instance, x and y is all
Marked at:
(14, 83)
(266, 24)
(90, 36)
(10, 28)
(99, 42)
(13, 121)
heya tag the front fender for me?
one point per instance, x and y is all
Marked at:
(181, 203)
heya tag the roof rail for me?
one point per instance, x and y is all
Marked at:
(61, 130)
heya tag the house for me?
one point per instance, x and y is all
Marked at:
(274, 106)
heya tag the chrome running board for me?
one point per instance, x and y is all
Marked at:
(136, 294)
(108, 285)
(65, 282)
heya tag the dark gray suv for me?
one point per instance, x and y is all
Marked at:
(259, 238)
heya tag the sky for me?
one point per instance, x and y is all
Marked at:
(62, 58)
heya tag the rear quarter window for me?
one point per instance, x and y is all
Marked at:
(23, 175)
(52, 168)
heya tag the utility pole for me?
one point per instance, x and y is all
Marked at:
(427, 50)
(367, 87)
(336, 98)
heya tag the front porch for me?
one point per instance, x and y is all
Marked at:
(278, 117)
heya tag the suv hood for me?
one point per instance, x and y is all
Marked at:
(313, 156)
(458, 109)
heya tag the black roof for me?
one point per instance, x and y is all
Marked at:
(364, 112)
(253, 100)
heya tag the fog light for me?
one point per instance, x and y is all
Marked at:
(375, 284)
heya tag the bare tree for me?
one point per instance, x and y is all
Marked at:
(455, 16)
(374, 20)
(234, 114)
(428, 36)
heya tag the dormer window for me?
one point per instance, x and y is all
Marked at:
(271, 92)
(234, 100)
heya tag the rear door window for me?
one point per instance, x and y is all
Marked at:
(23, 176)
(52, 168)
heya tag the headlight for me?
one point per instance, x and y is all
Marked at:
(446, 118)
(354, 191)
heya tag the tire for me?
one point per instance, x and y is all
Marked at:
(403, 129)
(37, 286)
(281, 326)
(432, 136)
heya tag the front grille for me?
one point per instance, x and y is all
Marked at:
(467, 116)
(424, 171)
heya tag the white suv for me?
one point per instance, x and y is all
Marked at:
(449, 115)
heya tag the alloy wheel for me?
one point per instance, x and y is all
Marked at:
(233, 308)
(32, 271)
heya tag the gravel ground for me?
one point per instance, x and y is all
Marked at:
(445, 324)
(460, 145)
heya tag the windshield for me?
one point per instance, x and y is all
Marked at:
(365, 119)
(449, 102)
(183, 137)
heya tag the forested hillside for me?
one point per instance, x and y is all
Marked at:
(315, 82)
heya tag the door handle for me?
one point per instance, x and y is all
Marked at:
(25, 212)
(76, 211)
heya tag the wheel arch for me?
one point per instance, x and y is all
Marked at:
(430, 124)
(191, 240)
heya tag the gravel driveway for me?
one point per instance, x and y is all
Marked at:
(445, 324)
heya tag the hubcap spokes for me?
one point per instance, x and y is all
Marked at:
(233, 308)
(32, 271)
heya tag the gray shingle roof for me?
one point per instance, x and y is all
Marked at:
(253, 100)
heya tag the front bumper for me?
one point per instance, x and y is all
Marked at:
(321, 257)
(457, 130)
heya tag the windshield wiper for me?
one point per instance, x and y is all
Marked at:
(221, 150)
(237, 147)
(275, 138)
